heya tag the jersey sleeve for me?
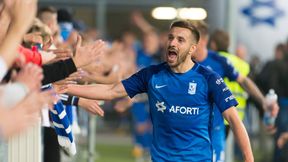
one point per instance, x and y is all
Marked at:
(137, 83)
(220, 93)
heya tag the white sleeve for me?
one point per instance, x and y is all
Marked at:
(12, 93)
(3, 68)
(45, 117)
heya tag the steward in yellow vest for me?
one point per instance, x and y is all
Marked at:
(239, 93)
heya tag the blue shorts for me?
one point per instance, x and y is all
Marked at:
(218, 143)
(139, 112)
(140, 115)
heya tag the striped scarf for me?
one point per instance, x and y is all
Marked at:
(62, 125)
(63, 128)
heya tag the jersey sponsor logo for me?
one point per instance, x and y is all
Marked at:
(177, 109)
(192, 88)
(229, 98)
(184, 110)
(160, 86)
(160, 106)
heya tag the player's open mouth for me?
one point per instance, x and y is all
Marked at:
(171, 55)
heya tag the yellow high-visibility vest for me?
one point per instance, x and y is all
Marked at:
(240, 94)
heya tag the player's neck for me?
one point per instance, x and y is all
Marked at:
(183, 67)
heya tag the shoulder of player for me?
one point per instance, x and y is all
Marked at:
(206, 72)
(152, 69)
(158, 66)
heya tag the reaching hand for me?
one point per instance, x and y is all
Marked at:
(14, 121)
(31, 75)
(59, 54)
(61, 86)
(87, 54)
(35, 101)
(22, 12)
(91, 106)
(77, 75)
(24, 114)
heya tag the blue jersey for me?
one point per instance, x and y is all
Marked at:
(181, 107)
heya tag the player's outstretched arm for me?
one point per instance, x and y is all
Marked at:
(240, 133)
(98, 91)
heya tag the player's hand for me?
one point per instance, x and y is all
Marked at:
(91, 106)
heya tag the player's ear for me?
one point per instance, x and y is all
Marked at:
(193, 48)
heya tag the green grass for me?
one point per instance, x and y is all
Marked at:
(114, 153)
(119, 151)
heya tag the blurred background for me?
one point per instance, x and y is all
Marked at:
(255, 26)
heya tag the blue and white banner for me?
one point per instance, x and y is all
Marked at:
(261, 25)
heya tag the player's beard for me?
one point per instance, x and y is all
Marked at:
(181, 57)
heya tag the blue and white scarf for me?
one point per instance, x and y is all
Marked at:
(63, 128)
(62, 125)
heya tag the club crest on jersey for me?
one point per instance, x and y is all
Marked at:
(192, 88)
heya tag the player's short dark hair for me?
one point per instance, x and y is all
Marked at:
(188, 25)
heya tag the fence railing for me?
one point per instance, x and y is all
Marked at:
(26, 147)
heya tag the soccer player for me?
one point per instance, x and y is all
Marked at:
(181, 96)
(224, 68)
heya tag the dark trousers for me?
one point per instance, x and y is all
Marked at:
(51, 147)
(281, 155)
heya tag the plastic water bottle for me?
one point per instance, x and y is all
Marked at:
(271, 97)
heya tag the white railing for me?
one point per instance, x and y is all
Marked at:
(26, 147)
